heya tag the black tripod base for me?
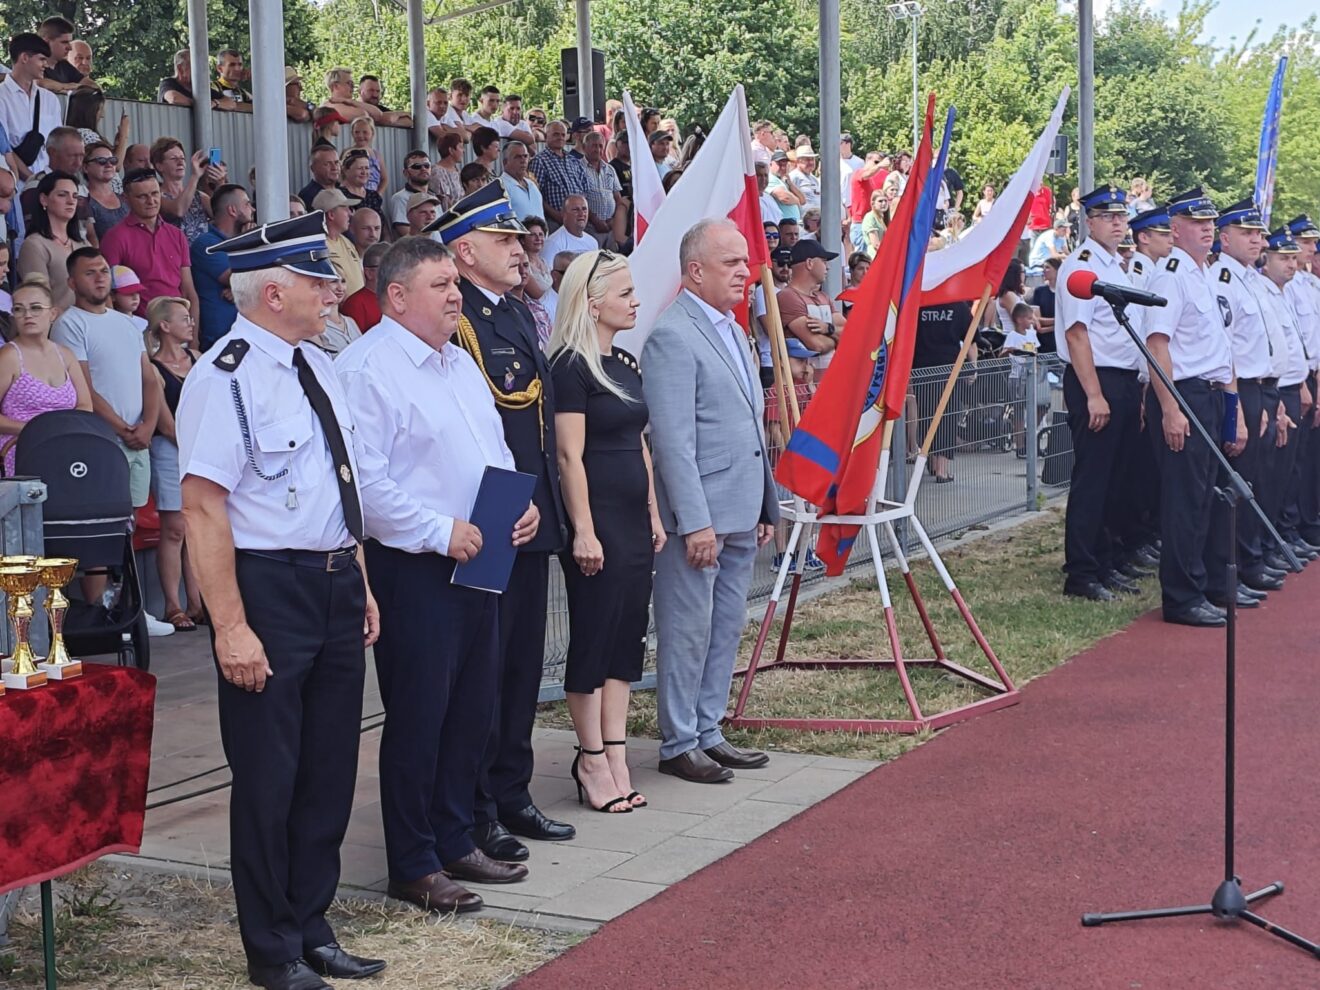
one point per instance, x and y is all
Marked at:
(1229, 903)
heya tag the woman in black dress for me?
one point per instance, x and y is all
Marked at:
(609, 492)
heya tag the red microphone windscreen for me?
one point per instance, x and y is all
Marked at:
(1080, 282)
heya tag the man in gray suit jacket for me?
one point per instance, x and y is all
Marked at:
(713, 484)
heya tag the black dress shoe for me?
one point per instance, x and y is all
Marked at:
(531, 824)
(1276, 561)
(1274, 572)
(294, 975)
(1147, 556)
(494, 840)
(1132, 571)
(735, 758)
(1262, 580)
(1243, 600)
(1303, 550)
(331, 960)
(1119, 585)
(1090, 590)
(1255, 593)
(697, 767)
(1198, 615)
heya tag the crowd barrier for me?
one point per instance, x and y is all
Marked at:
(983, 437)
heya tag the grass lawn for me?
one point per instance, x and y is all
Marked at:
(113, 935)
(1012, 582)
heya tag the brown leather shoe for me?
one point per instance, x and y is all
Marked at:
(697, 767)
(737, 759)
(435, 892)
(477, 867)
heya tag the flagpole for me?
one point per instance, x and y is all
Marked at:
(779, 355)
(977, 311)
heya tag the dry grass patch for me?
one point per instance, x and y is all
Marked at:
(122, 930)
(1012, 582)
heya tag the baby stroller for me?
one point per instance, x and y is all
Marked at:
(88, 514)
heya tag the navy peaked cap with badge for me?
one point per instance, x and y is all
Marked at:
(297, 244)
(1281, 242)
(486, 209)
(1193, 203)
(1303, 226)
(1156, 219)
(1106, 199)
(1243, 213)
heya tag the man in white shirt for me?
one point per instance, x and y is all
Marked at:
(21, 99)
(572, 236)
(848, 164)
(804, 177)
(428, 430)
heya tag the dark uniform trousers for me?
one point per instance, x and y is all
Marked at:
(293, 751)
(1187, 489)
(507, 770)
(1250, 464)
(1099, 502)
(1141, 482)
(1285, 481)
(1308, 500)
(436, 664)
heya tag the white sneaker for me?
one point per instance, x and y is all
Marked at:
(157, 628)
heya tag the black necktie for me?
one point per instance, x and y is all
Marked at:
(325, 412)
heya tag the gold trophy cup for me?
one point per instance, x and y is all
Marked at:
(19, 583)
(13, 560)
(56, 572)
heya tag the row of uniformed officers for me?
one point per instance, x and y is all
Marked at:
(1240, 339)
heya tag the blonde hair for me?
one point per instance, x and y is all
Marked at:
(364, 119)
(338, 74)
(158, 311)
(575, 329)
(39, 282)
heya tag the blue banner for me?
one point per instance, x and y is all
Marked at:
(1268, 155)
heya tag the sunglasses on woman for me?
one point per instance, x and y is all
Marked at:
(537, 119)
(601, 255)
(102, 160)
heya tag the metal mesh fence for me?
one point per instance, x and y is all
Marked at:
(1003, 442)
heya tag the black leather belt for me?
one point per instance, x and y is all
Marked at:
(321, 560)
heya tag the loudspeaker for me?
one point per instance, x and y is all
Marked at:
(568, 66)
(1058, 163)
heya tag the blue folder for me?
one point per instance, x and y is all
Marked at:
(501, 501)
(1229, 430)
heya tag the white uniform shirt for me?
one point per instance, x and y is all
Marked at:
(249, 427)
(1140, 270)
(1239, 296)
(428, 428)
(1198, 341)
(1304, 294)
(1111, 347)
(1296, 363)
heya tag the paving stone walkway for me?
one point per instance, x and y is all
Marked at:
(615, 863)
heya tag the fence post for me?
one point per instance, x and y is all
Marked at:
(898, 479)
(1031, 425)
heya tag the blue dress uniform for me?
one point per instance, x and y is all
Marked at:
(1254, 339)
(1281, 499)
(1202, 368)
(265, 420)
(1098, 497)
(1304, 294)
(500, 334)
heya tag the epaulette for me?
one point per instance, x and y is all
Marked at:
(1171, 265)
(1136, 267)
(232, 356)
(1085, 255)
(1225, 276)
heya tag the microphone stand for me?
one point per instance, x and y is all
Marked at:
(1228, 902)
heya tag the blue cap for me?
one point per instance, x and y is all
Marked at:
(1156, 219)
(1303, 227)
(1193, 203)
(1106, 199)
(297, 244)
(1281, 242)
(1243, 214)
(486, 209)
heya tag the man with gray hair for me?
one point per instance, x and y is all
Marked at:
(572, 236)
(709, 454)
(268, 459)
(606, 212)
(523, 192)
(429, 430)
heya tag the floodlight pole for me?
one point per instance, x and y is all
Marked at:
(911, 10)
(1085, 100)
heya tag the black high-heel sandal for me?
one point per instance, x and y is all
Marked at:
(608, 806)
(634, 794)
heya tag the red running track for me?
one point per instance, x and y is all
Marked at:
(968, 862)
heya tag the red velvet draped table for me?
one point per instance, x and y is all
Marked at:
(74, 760)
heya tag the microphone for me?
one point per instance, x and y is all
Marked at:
(1085, 285)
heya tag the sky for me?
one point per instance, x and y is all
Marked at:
(1235, 18)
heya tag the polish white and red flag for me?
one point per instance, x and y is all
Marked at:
(719, 182)
(648, 193)
(961, 272)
